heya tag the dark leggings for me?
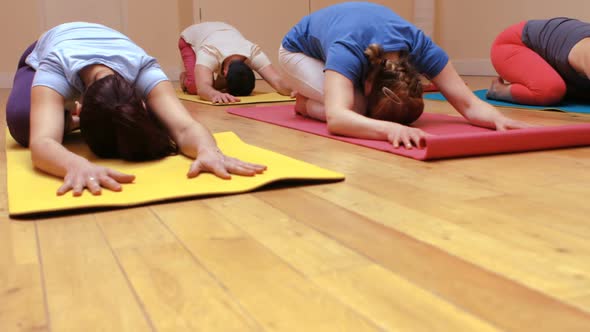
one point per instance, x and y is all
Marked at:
(18, 107)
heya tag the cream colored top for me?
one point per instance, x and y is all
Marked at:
(213, 42)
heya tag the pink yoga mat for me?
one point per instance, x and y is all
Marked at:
(452, 136)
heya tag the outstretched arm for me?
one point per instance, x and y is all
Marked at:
(193, 139)
(477, 111)
(272, 76)
(50, 156)
(206, 90)
(339, 100)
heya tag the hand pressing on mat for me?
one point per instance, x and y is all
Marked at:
(193, 139)
(475, 110)
(223, 98)
(83, 174)
(407, 137)
(505, 123)
(485, 115)
(214, 161)
(129, 111)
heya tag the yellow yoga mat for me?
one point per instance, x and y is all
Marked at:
(255, 98)
(32, 192)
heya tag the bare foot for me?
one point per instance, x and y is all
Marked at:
(300, 105)
(499, 90)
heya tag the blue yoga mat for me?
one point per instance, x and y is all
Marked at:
(566, 106)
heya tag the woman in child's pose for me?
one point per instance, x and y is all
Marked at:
(128, 109)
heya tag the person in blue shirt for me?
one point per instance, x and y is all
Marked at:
(356, 65)
(125, 108)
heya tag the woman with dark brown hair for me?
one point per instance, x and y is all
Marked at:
(355, 65)
(128, 109)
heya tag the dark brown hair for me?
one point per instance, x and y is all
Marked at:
(396, 93)
(115, 123)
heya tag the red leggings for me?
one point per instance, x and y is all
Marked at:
(189, 58)
(534, 81)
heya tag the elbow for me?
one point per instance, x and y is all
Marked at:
(36, 146)
(335, 125)
(41, 149)
(335, 121)
(283, 88)
(332, 129)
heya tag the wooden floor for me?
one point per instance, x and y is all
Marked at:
(497, 243)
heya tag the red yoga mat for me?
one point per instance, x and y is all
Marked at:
(452, 136)
(429, 87)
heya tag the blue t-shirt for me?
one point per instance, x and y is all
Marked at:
(66, 49)
(338, 35)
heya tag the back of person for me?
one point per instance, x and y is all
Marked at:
(330, 34)
(218, 50)
(66, 49)
(219, 39)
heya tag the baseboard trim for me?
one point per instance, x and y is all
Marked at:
(475, 67)
(6, 79)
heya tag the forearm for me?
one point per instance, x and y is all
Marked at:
(195, 139)
(477, 111)
(52, 157)
(481, 113)
(281, 87)
(351, 124)
(456, 91)
(272, 76)
(341, 99)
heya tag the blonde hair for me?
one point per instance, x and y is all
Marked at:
(396, 93)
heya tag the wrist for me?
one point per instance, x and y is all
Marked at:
(390, 127)
(210, 149)
(75, 162)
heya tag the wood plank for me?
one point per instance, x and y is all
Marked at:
(177, 292)
(397, 304)
(21, 286)
(85, 286)
(275, 294)
(308, 251)
(348, 276)
(482, 249)
(564, 203)
(545, 233)
(582, 297)
(471, 244)
(487, 295)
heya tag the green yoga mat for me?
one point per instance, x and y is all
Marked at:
(566, 106)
